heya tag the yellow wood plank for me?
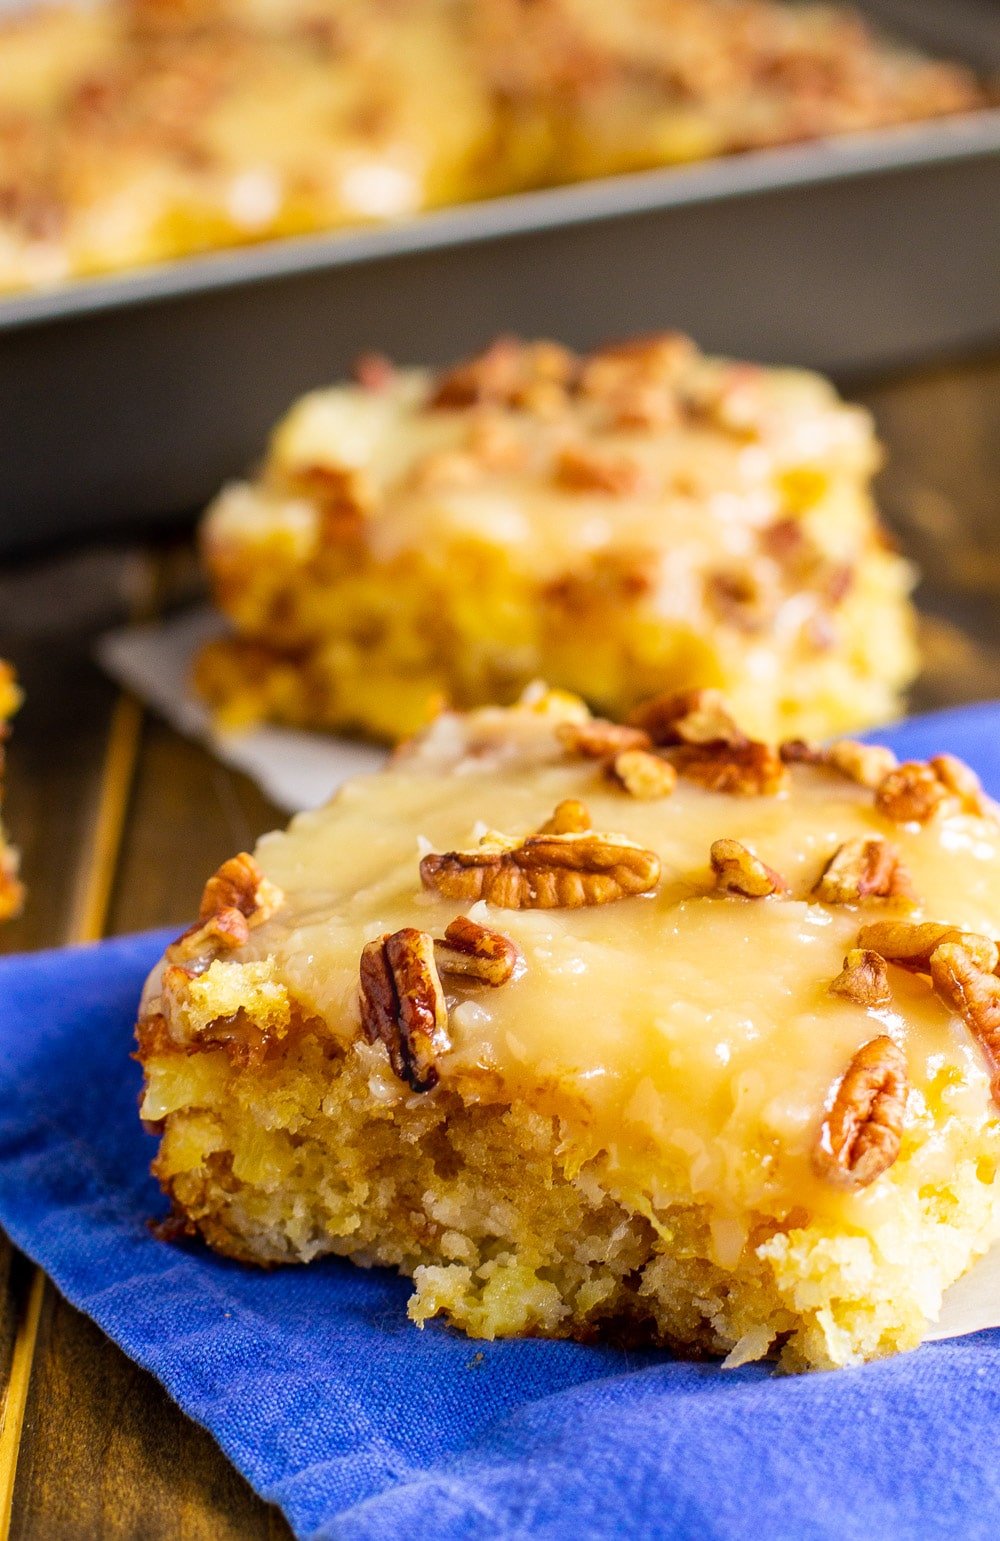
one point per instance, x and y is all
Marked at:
(92, 897)
(88, 915)
(12, 1423)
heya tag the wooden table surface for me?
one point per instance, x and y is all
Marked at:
(119, 820)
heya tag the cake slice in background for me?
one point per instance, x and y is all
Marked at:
(639, 519)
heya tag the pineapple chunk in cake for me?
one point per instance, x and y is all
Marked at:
(593, 1028)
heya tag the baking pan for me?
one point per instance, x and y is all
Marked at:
(128, 400)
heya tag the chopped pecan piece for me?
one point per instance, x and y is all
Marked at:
(570, 817)
(544, 872)
(656, 360)
(909, 944)
(476, 951)
(598, 739)
(786, 542)
(749, 770)
(912, 793)
(799, 751)
(643, 774)
(738, 871)
(864, 980)
(509, 373)
(741, 599)
(582, 468)
(837, 582)
(373, 371)
(867, 764)
(491, 376)
(974, 993)
(403, 1005)
(222, 931)
(962, 782)
(445, 468)
(697, 717)
(344, 494)
(639, 405)
(862, 1132)
(865, 868)
(495, 443)
(240, 885)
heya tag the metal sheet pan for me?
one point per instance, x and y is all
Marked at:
(130, 399)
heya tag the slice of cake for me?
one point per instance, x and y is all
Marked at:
(595, 1030)
(637, 520)
(11, 890)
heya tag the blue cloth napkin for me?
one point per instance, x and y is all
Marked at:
(361, 1426)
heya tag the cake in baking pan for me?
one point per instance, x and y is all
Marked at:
(137, 131)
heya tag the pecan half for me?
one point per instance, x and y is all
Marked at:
(476, 951)
(867, 764)
(748, 770)
(240, 885)
(698, 717)
(909, 944)
(570, 817)
(974, 993)
(862, 1131)
(544, 871)
(642, 774)
(738, 871)
(865, 868)
(403, 1005)
(864, 979)
(599, 739)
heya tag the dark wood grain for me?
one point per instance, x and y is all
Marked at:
(189, 813)
(104, 1452)
(940, 492)
(50, 615)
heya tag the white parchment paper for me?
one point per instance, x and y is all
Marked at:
(295, 770)
(302, 770)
